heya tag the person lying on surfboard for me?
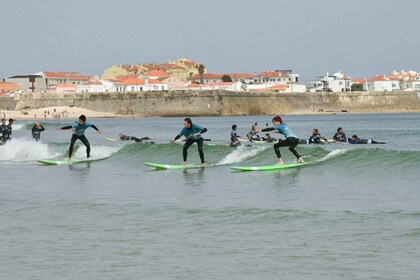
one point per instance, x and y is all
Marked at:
(79, 128)
(291, 140)
(137, 140)
(316, 137)
(356, 140)
(193, 133)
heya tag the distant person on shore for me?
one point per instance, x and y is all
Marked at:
(79, 128)
(193, 132)
(291, 140)
(234, 137)
(316, 137)
(356, 140)
(36, 131)
(340, 136)
(137, 140)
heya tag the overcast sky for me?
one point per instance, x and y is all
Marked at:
(360, 38)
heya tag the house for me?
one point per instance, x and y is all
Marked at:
(382, 83)
(7, 87)
(96, 86)
(55, 78)
(411, 85)
(229, 86)
(207, 78)
(120, 70)
(137, 84)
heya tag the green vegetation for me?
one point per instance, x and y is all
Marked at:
(356, 87)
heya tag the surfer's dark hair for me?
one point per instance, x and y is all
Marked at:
(82, 117)
(234, 127)
(188, 120)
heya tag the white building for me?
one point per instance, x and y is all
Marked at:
(137, 84)
(382, 83)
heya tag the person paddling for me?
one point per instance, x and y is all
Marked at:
(291, 140)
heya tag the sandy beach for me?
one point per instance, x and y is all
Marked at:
(56, 112)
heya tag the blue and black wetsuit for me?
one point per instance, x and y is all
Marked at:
(79, 133)
(191, 139)
(291, 140)
(234, 141)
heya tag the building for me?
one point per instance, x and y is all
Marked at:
(28, 83)
(55, 78)
(382, 83)
(331, 83)
(132, 84)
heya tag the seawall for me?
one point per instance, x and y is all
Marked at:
(221, 103)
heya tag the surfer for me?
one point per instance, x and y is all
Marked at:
(340, 136)
(291, 140)
(3, 130)
(36, 131)
(137, 140)
(253, 134)
(356, 140)
(193, 133)
(267, 137)
(79, 128)
(234, 137)
(316, 137)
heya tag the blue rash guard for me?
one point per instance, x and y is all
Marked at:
(80, 129)
(285, 130)
(189, 132)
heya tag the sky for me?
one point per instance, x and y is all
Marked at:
(360, 38)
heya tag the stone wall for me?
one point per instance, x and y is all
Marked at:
(222, 103)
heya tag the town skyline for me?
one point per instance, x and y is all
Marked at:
(359, 38)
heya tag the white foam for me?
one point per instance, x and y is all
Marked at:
(240, 154)
(332, 154)
(19, 149)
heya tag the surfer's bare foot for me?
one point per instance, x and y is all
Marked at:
(203, 164)
(69, 159)
(300, 160)
(184, 163)
(280, 161)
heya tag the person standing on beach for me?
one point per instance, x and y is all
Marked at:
(36, 131)
(193, 133)
(79, 128)
(291, 140)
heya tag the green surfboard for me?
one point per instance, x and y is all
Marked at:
(66, 162)
(174, 166)
(267, 167)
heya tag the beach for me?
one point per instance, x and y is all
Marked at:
(55, 112)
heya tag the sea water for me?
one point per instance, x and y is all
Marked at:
(353, 213)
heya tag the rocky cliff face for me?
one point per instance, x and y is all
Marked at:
(221, 103)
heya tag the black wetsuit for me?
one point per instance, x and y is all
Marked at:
(234, 142)
(340, 137)
(125, 137)
(189, 132)
(3, 132)
(316, 139)
(78, 134)
(36, 132)
(364, 141)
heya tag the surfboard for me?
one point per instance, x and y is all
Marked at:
(267, 167)
(110, 139)
(174, 166)
(66, 162)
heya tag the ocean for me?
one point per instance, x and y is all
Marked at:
(352, 213)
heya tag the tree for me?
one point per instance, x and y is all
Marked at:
(226, 78)
(356, 87)
(201, 70)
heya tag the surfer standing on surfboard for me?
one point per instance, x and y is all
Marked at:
(79, 128)
(291, 140)
(193, 133)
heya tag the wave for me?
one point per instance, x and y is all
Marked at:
(23, 150)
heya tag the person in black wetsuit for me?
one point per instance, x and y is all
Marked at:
(193, 133)
(316, 137)
(79, 128)
(3, 131)
(340, 136)
(234, 141)
(137, 140)
(356, 140)
(36, 131)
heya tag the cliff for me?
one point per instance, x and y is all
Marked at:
(221, 103)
